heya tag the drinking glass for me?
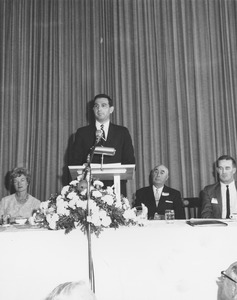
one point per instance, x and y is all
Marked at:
(169, 216)
(233, 216)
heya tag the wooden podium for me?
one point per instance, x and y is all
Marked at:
(115, 172)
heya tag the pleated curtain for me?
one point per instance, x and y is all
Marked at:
(169, 65)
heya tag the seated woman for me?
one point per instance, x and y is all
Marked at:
(20, 204)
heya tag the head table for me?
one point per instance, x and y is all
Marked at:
(158, 261)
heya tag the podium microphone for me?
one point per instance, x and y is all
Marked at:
(98, 137)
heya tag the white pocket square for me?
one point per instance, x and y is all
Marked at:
(214, 201)
(165, 194)
(168, 201)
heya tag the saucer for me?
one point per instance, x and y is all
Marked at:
(21, 221)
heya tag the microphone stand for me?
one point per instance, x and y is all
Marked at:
(87, 176)
(102, 160)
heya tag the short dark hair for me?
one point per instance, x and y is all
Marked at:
(17, 172)
(103, 96)
(226, 157)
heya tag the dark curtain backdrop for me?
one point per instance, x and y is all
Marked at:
(169, 65)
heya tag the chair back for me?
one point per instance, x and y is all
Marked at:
(192, 207)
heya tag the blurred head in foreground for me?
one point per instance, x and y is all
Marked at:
(228, 283)
(72, 291)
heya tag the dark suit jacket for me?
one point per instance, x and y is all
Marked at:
(212, 201)
(170, 199)
(118, 138)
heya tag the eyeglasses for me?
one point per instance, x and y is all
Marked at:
(225, 275)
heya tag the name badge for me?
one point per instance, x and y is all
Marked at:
(214, 201)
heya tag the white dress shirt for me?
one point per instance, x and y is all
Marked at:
(157, 193)
(233, 198)
(106, 127)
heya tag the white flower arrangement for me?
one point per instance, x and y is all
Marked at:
(70, 209)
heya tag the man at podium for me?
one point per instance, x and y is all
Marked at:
(110, 135)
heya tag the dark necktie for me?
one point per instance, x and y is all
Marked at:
(227, 202)
(102, 129)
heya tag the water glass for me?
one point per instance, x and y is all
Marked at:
(169, 216)
(6, 219)
(233, 216)
(158, 217)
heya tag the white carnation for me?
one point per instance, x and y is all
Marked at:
(110, 190)
(129, 214)
(59, 198)
(72, 203)
(84, 192)
(44, 205)
(61, 207)
(74, 182)
(96, 194)
(52, 225)
(118, 203)
(65, 190)
(106, 221)
(82, 204)
(108, 199)
(93, 206)
(72, 195)
(99, 183)
(67, 212)
(94, 219)
(126, 204)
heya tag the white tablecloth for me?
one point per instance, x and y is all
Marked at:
(157, 261)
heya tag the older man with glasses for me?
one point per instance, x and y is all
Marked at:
(228, 283)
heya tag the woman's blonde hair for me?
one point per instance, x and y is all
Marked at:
(17, 172)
